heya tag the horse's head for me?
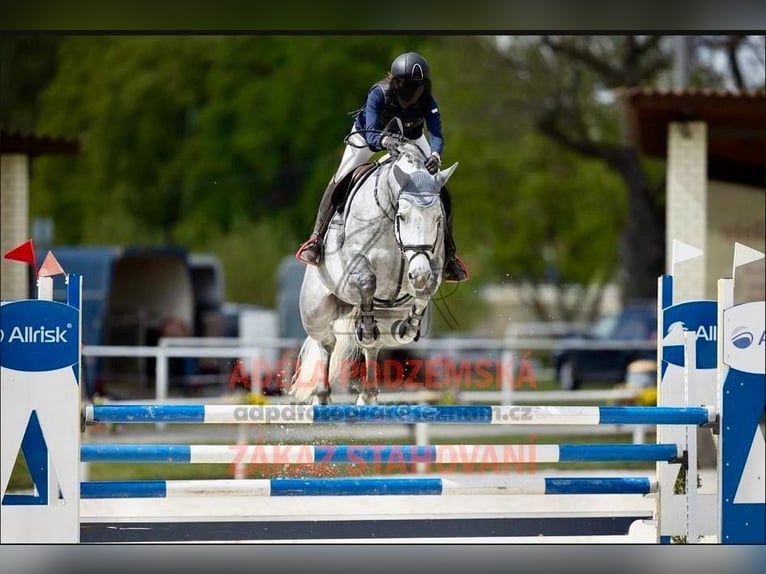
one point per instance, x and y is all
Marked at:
(419, 221)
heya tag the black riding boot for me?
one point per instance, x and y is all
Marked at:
(311, 250)
(455, 270)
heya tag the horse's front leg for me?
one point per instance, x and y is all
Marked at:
(362, 279)
(408, 330)
(370, 387)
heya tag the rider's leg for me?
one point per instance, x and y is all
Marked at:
(454, 268)
(310, 251)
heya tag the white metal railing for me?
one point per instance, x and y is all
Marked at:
(511, 350)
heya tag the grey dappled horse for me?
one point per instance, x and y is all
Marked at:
(383, 263)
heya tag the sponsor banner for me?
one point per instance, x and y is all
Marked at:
(699, 317)
(744, 338)
(38, 335)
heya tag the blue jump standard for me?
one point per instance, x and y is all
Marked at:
(368, 487)
(376, 414)
(337, 454)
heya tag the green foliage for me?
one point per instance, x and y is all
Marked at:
(225, 144)
(210, 142)
(457, 307)
(250, 255)
(526, 209)
(27, 63)
(131, 108)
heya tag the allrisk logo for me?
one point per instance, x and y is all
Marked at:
(698, 317)
(28, 334)
(745, 338)
(742, 338)
(37, 335)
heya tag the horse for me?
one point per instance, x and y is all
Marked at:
(383, 262)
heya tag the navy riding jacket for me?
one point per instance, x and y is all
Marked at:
(382, 106)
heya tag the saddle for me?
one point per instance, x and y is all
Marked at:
(358, 175)
(349, 181)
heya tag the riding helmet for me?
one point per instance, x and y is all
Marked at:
(410, 66)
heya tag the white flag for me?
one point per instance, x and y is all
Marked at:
(683, 252)
(744, 255)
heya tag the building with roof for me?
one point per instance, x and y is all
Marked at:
(714, 143)
(16, 152)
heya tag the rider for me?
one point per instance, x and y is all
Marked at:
(405, 93)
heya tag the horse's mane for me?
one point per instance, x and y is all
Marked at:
(411, 150)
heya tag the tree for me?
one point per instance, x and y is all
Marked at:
(27, 64)
(528, 212)
(563, 87)
(198, 139)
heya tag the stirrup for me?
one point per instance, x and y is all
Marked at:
(310, 252)
(455, 271)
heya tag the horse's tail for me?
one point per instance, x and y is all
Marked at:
(346, 350)
(309, 370)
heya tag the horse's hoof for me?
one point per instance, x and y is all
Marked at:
(367, 399)
(321, 398)
(402, 332)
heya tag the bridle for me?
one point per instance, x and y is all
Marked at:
(408, 251)
(425, 249)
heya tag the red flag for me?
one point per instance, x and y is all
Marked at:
(50, 266)
(24, 252)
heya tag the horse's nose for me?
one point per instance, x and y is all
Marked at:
(419, 273)
(418, 281)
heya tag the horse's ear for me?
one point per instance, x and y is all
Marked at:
(402, 178)
(445, 174)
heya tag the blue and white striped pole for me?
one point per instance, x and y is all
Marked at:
(367, 486)
(382, 414)
(391, 454)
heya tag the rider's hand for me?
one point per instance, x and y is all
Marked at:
(388, 143)
(432, 163)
